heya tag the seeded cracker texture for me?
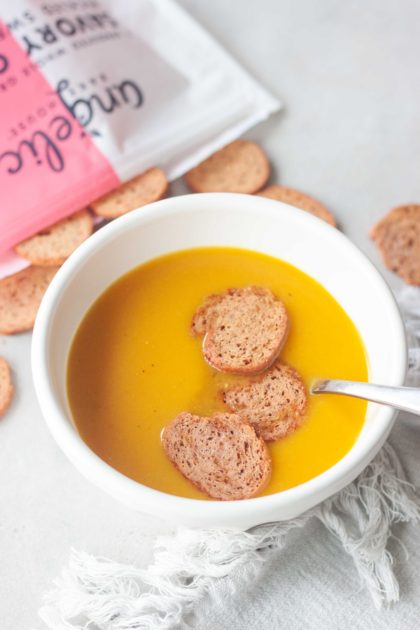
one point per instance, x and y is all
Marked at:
(241, 166)
(6, 386)
(221, 455)
(139, 191)
(274, 403)
(244, 329)
(397, 237)
(20, 297)
(53, 246)
(299, 200)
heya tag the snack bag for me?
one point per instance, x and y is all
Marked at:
(93, 92)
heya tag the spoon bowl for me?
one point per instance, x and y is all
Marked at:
(402, 398)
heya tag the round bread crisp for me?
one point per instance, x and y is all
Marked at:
(20, 297)
(221, 455)
(241, 166)
(274, 403)
(6, 387)
(145, 188)
(54, 245)
(244, 329)
(299, 200)
(397, 237)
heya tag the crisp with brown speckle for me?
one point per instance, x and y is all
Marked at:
(20, 297)
(139, 191)
(241, 167)
(221, 455)
(299, 200)
(273, 403)
(6, 386)
(53, 246)
(244, 329)
(397, 237)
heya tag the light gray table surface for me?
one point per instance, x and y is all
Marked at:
(348, 75)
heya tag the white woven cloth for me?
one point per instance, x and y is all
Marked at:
(197, 571)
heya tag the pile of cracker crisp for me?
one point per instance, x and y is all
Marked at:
(225, 455)
(242, 167)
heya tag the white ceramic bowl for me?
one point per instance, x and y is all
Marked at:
(217, 219)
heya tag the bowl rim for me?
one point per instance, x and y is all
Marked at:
(106, 477)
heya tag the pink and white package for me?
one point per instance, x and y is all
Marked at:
(93, 92)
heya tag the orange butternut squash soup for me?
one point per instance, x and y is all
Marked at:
(134, 365)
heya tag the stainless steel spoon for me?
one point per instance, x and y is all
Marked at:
(404, 398)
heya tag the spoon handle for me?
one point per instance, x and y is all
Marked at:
(404, 398)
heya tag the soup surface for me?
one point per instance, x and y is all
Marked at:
(133, 365)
